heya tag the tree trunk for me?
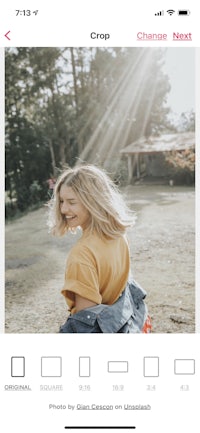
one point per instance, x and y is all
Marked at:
(74, 79)
(53, 160)
(62, 152)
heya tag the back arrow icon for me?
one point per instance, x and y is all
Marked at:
(6, 35)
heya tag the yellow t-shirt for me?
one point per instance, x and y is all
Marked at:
(97, 269)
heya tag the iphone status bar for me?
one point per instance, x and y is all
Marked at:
(107, 23)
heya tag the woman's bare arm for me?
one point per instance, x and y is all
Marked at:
(82, 303)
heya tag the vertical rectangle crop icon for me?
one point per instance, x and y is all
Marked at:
(184, 366)
(84, 366)
(151, 366)
(17, 366)
(51, 366)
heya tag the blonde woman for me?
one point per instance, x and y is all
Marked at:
(97, 288)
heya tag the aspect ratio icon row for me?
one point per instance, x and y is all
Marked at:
(51, 366)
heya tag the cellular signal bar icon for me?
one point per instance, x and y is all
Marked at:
(159, 14)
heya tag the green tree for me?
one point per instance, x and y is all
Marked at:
(69, 104)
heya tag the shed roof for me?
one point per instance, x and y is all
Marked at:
(163, 143)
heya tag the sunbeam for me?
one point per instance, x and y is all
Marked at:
(123, 107)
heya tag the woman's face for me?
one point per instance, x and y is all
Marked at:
(72, 209)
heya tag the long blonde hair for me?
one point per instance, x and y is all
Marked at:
(100, 196)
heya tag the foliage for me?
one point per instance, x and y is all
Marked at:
(182, 165)
(69, 104)
(186, 122)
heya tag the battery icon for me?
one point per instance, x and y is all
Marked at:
(184, 12)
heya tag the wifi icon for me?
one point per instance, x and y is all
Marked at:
(170, 11)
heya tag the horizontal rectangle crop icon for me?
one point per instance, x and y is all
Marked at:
(117, 367)
(184, 366)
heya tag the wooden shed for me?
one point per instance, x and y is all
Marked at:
(149, 154)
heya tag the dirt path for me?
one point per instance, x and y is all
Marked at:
(162, 257)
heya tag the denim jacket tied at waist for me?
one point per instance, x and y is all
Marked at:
(126, 315)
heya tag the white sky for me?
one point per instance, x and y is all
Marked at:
(180, 67)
